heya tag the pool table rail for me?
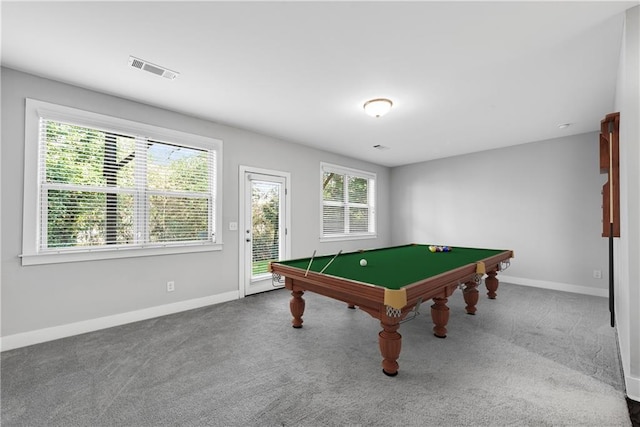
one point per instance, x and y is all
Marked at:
(346, 290)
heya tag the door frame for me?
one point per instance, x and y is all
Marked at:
(242, 226)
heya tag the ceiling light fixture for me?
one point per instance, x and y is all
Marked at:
(377, 107)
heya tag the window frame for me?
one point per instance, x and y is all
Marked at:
(371, 205)
(32, 214)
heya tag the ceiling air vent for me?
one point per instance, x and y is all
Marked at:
(141, 64)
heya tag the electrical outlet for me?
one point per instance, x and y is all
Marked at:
(597, 274)
(171, 286)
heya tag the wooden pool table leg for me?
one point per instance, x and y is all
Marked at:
(491, 283)
(440, 317)
(471, 294)
(390, 344)
(296, 305)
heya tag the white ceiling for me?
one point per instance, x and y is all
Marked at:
(463, 76)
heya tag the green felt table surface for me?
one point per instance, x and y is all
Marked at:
(394, 267)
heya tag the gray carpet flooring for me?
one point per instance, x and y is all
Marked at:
(532, 357)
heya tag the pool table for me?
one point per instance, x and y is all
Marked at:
(392, 283)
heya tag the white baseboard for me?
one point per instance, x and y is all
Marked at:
(556, 286)
(56, 332)
(633, 387)
(48, 334)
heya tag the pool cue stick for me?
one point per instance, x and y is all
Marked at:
(310, 261)
(611, 184)
(329, 263)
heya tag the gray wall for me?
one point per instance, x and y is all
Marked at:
(37, 297)
(540, 199)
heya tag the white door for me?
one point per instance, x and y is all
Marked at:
(263, 228)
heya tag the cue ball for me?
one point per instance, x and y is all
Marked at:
(363, 262)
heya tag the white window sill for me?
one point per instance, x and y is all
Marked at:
(101, 254)
(344, 237)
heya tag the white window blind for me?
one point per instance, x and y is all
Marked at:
(102, 188)
(348, 202)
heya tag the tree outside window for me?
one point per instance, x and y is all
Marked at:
(348, 202)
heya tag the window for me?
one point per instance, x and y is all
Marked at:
(348, 203)
(101, 187)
